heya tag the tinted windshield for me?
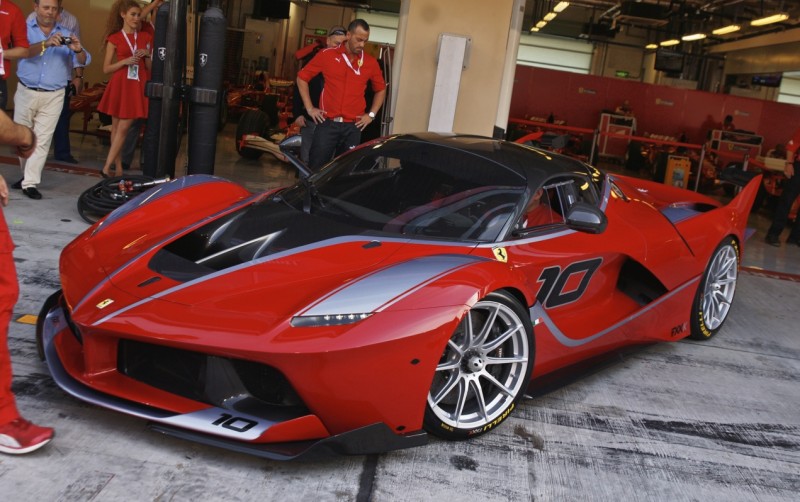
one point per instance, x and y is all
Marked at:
(415, 188)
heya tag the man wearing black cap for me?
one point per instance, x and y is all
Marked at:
(341, 114)
(336, 36)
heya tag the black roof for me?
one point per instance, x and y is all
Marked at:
(533, 164)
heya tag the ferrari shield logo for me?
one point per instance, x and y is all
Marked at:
(203, 59)
(105, 303)
(162, 53)
(500, 254)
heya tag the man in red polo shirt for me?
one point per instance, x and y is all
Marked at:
(341, 115)
(14, 39)
(791, 190)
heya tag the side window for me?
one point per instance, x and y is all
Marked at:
(550, 203)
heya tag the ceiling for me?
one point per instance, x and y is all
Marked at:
(662, 19)
(656, 20)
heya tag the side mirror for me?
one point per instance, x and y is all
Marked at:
(290, 147)
(291, 144)
(585, 217)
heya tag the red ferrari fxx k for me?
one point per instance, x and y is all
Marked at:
(415, 285)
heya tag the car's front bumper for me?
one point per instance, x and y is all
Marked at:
(274, 437)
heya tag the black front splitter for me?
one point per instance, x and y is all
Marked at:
(375, 438)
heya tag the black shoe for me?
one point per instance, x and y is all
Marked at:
(32, 193)
(772, 240)
(17, 185)
(69, 159)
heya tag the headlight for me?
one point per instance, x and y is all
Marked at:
(327, 320)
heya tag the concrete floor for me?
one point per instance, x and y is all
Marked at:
(686, 421)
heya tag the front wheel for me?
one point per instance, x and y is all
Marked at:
(714, 296)
(484, 369)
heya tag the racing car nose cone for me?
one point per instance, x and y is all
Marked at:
(475, 364)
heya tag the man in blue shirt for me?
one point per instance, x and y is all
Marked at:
(62, 151)
(43, 77)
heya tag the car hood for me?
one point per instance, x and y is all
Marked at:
(271, 260)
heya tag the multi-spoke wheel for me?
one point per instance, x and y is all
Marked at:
(483, 371)
(715, 293)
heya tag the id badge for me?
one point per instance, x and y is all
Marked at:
(133, 72)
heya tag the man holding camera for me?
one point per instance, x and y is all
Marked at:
(43, 76)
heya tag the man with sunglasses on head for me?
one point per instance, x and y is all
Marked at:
(342, 113)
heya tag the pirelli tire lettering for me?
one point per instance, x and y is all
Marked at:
(715, 291)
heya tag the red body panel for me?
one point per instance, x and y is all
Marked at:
(378, 370)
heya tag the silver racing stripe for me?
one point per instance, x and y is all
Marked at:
(538, 312)
(384, 287)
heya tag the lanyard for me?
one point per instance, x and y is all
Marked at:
(134, 46)
(360, 62)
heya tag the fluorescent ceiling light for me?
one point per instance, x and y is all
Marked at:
(775, 18)
(534, 29)
(667, 43)
(651, 46)
(541, 24)
(727, 29)
(693, 36)
(549, 16)
(560, 6)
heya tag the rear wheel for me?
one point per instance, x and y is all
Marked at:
(714, 296)
(253, 122)
(484, 369)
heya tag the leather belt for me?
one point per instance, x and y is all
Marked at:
(37, 89)
(342, 119)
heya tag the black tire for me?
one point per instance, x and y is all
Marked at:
(251, 122)
(714, 296)
(465, 399)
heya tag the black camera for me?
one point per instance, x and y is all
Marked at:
(66, 40)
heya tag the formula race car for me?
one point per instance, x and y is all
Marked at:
(414, 286)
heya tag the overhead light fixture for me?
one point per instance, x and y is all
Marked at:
(651, 46)
(727, 29)
(560, 6)
(693, 37)
(541, 24)
(534, 29)
(775, 18)
(670, 42)
(549, 16)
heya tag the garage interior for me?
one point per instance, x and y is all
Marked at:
(681, 421)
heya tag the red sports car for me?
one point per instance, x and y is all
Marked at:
(415, 285)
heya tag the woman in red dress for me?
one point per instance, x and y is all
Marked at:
(124, 97)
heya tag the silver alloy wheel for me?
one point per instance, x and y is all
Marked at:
(483, 368)
(720, 286)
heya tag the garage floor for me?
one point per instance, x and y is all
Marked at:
(718, 420)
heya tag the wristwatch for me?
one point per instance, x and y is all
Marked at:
(371, 115)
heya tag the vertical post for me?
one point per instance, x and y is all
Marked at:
(699, 168)
(170, 101)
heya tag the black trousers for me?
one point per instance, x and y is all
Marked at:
(332, 138)
(791, 189)
(3, 94)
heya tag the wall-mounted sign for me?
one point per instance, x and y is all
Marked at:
(583, 90)
(664, 102)
(622, 73)
(320, 31)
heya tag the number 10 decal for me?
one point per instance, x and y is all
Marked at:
(554, 280)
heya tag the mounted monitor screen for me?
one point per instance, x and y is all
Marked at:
(770, 80)
(271, 9)
(669, 61)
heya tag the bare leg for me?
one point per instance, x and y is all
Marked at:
(119, 129)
